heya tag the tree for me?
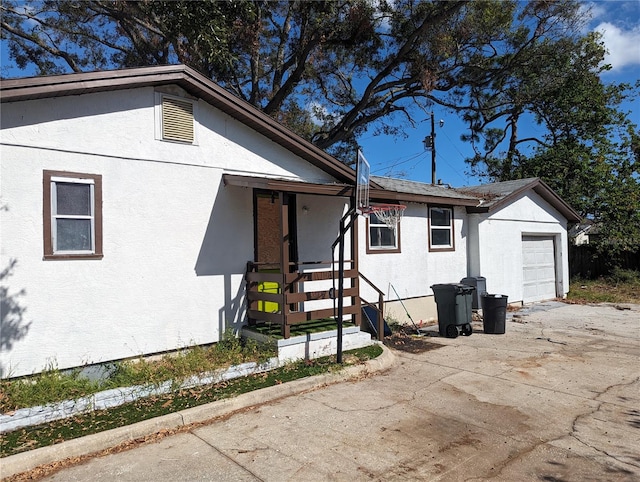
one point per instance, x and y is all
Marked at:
(585, 148)
(342, 66)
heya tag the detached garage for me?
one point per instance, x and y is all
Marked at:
(518, 240)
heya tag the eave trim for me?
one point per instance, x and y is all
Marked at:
(284, 185)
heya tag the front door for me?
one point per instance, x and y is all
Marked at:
(274, 241)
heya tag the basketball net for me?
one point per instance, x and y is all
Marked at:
(389, 214)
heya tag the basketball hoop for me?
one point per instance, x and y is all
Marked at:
(389, 214)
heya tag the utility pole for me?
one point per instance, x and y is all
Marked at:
(433, 150)
(430, 144)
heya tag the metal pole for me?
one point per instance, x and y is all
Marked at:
(433, 150)
(340, 290)
(350, 217)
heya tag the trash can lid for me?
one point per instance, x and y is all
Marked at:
(447, 286)
(457, 287)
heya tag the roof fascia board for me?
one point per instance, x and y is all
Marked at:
(13, 90)
(556, 201)
(272, 184)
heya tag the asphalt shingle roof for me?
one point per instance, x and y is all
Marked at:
(493, 193)
(421, 188)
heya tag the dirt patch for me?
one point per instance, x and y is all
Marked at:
(406, 340)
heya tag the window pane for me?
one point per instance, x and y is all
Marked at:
(382, 237)
(440, 217)
(440, 237)
(73, 235)
(73, 198)
(388, 237)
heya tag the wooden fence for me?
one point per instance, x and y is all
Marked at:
(586, 262)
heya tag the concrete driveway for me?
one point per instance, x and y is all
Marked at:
(556, 398)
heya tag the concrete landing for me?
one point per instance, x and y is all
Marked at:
(313, 345)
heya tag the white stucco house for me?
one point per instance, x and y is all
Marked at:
(512, 233)
(145, 210)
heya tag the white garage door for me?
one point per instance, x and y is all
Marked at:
(539, 268)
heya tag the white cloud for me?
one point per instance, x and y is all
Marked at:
(623, 45)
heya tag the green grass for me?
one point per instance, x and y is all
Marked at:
(30, 438)
(622, 286)
(53, 385)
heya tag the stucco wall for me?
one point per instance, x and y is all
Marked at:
(318, 229)
(176, 241)
(415, 269)
(498, 256)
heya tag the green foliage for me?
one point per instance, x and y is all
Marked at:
(50, 385)
(622, 286)
(625, 276)
(394, 325)
(93, 422)
(361, 65)
(333, 71)
(53, 385)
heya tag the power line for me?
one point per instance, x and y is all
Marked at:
(390, 167)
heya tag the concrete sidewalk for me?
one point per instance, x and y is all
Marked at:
(555, 398)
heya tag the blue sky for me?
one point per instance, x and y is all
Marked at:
(617, 20)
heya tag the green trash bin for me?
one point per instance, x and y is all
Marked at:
(454, 302)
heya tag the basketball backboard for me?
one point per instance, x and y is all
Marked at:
(362, 185)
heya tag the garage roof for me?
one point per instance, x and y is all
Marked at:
(496, 195)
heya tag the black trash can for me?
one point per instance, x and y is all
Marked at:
(494, 313)
(454, 302)
(480, 285)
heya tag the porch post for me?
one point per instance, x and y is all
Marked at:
(357, 318)
(350, 218)
(340, 289)
(283, 200)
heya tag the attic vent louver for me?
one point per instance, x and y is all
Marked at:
(177, 120)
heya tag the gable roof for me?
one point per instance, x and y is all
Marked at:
(196, 84)
(496, 195)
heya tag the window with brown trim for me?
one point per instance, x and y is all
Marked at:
(72, 215)
(381, 238)
(441, 235)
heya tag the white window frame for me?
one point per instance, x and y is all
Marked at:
(449, 228)
(55, 216)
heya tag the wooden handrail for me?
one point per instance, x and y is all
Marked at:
(380, 307)
(293, 288)
(371, 284)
